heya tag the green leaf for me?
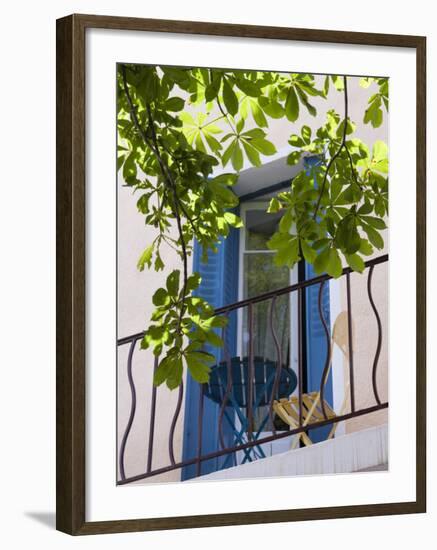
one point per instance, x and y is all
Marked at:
(306, 134)
(228, 152)
(232, 219)
(248, 87)
(365, 82)
(145, 258)
(304, 99)
(130, 169)
(338, 82)
(326, 86)
(240, 125)
(347, 237)
(264, 146)
(287, 249)
(230, 99)
(321, 262)
(197, 364)
(214, 145)
(214, 339)
(162, 371)
(212, 90)
(161, 297)
(174, 104)
(293, 158)
(333, 266)
(274, 206)
(254, 133)
(355, 262)
(174, 376)
(350, 128)
(252, 154)
(373, 236)
(365, 208)
(373, 113)
(120, 161)
(380, 151)
(193, 281)
(237, 157)
(380, 206)
(172, 283)
(292, 105)
(159, 264)
(271, 107)
(296, 141)
(365, 248)
(377, 223)
(286, 222)
(169, 369)
(258, 114)
(308, 253)
(228, 179)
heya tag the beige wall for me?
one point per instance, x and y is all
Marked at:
(135, 290)
(365, 342)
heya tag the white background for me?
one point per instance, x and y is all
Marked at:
(27, 291)
(105, 501)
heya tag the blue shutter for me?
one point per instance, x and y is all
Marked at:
(316, 345)
(219, 286)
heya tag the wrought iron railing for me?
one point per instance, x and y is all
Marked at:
(251, 441)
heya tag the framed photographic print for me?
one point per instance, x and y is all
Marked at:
(240, 291)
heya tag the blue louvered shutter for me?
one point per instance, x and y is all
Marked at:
(219, 286)
(316, 345)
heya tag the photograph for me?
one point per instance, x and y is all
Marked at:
(252, 269)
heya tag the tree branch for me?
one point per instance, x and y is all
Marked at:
(167, 174)
(342, 144)
(154, 146)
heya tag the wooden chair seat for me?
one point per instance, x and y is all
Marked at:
(288, 411)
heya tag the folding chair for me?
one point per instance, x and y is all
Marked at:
(312, 411)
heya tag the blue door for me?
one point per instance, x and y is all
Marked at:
(219, 287)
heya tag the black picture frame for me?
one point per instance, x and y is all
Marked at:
(71, 252)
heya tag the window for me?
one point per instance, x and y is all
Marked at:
(258, 275)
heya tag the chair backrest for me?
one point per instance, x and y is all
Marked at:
(340, 333)
(264, 376)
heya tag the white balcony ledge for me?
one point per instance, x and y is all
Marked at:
(358, 451)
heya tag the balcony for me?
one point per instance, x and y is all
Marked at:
(242, 402)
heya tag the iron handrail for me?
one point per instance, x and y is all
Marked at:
(270, 294)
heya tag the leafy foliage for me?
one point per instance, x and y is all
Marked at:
(176, 125)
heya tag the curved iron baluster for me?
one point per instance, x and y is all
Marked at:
(200, 431)
(300, 326)
(378, 347)
(328, 352)
(173, 424)
(152, 419)
(350, 342)
(133, 408)
(279, 365)
(228, 385)
(250, 372)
